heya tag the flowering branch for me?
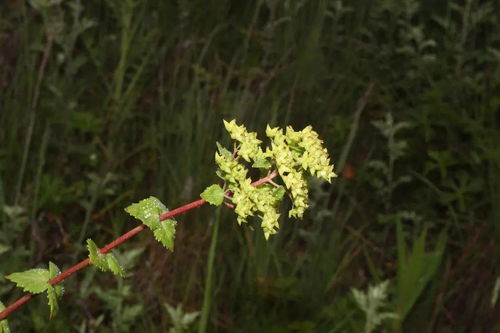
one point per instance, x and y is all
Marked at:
(84, 263)
(293, 155)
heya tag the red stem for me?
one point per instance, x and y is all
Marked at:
(84, 263)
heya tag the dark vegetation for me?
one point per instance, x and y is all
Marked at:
(103, 103)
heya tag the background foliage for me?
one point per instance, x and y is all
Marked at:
(103, 103)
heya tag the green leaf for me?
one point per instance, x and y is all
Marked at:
(223, 151)
(416, 268)
(105, 262)
(54, 271)
(214, 194)
(114, 266)
(59, 289)
(52, 297)
(296, 148)
(4, 324)
(279, 192)
(165, 233)
(33, 280)
(220, 174)
(262, 164)
(148, 211)
(96, 257)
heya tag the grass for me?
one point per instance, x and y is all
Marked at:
(103, 103)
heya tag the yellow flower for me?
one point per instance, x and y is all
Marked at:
(294, 154)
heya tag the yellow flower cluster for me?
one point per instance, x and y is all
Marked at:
(232, 171)
(250, 200)
(295, 154)
(249, 144)
(314, 157)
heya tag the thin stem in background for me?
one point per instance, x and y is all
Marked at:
(31, 125)
(207, 293)
(348, 145)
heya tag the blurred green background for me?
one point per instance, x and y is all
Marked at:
(105, 102)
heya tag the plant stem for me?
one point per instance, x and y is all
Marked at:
(84, 263)
(207, 293)
(31, 125)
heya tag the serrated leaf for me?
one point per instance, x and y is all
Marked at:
(59, 289)
(33, 280)
(114, 266)
(223, 151)
(54, 271)
(165, 233)
(4, 324)
(96, 258)
(148, 211)
(52, 297)
(261, 164)
(214, 194)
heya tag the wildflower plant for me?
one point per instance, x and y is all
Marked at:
(372, 303)
(293, 156)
